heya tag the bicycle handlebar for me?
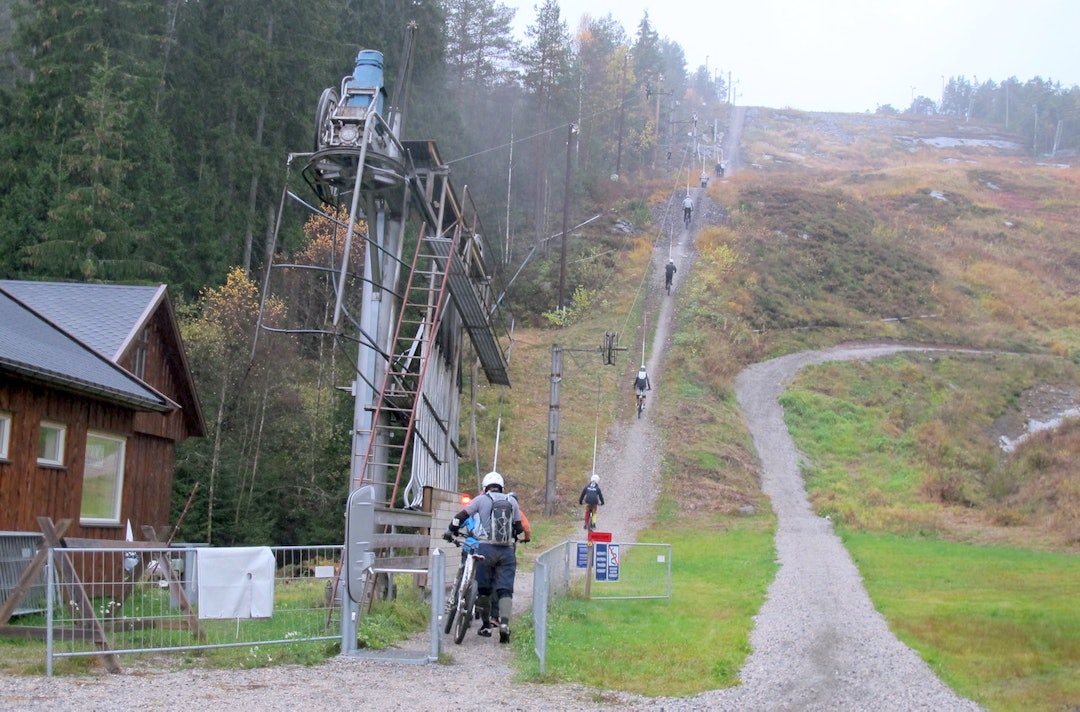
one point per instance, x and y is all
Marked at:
(459, 540)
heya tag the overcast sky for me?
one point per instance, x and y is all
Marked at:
(852, 55)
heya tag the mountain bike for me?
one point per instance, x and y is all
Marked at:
(640, 404)
(461, 600)
(667, 285)
(590, 516)
(687, 214)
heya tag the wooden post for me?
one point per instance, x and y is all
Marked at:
(165, 567)
(53, 541)
(26, 580)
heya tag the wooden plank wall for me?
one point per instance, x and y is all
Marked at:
(29, 490)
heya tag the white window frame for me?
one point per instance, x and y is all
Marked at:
(55, 458)
(5, 434)
(98, 463)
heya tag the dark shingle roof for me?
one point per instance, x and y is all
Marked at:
(118, 311)
(38, 349)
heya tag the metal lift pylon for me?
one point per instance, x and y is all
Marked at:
(406, 406)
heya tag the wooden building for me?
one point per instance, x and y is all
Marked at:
(95, 392)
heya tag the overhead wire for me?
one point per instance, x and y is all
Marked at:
(667, 223)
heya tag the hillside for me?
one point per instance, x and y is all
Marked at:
(830, 229)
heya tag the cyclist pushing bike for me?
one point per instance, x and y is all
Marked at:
(461, 598)
(591, 497)
(500, 520)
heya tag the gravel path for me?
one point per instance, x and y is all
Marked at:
(818, 643)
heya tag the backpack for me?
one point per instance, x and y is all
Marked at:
(502, 520)
(592, 493)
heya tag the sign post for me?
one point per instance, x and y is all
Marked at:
(602, 539)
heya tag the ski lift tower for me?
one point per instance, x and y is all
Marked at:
(417, 302)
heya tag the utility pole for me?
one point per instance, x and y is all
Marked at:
(553, 430)
(622, 115)
(565, 219)
(607, 352)
(1006, 105)
(1035, 132)
(656, 120)
(649, 92)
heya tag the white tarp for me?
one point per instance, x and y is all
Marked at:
(236, 582)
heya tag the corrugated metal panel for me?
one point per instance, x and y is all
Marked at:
(474, 315)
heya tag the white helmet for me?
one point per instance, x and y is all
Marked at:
(490, 479)
(595, 478)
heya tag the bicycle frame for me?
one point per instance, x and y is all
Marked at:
(461, 599)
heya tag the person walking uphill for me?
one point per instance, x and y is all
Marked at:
(500, 525)
(591, 497)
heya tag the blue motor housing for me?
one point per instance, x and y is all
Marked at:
(367, 75)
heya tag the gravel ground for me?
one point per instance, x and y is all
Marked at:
(817, 644)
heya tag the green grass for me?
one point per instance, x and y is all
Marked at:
(696, 641)
(999, 625)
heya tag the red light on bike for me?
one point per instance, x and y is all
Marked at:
(465, 499)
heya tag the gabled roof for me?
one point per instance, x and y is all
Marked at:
(39, 350)
(119, 311)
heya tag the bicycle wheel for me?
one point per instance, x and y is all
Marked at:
(640, 405)
(466, 599)
(452, 603)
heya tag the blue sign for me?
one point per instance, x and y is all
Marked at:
(613, 562)
(601, 562)
(582, 555)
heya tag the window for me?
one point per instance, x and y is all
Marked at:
(51, 443)
(103, 479)
(5, 434)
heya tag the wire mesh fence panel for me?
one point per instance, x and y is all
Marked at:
(17, 549)
(600, 570)
(124, 600)
(552, 572)
(631, 570)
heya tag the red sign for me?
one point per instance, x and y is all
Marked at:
(603, 537)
